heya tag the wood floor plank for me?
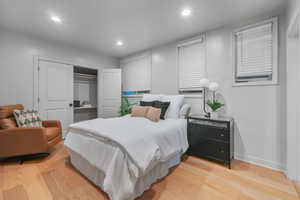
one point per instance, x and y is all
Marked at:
(296, 184)
(55, 178)
(56, 188)
(16, 193)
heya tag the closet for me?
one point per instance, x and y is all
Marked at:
(85, 93)
(71, 93)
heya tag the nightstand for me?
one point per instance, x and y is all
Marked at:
(211, 138)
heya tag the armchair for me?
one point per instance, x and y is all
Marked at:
(15, 141)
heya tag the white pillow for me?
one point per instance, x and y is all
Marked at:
(152, 97)
(184, 111)
(176, 103)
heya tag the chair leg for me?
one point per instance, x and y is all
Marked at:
(22, 159)
(34, 156)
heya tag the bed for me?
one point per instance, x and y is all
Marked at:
(124, 156)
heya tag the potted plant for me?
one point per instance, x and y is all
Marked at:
(214, 105)
(126, 107)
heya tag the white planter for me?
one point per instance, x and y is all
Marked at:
(214, 115)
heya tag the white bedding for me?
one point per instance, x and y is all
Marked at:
(126, 148)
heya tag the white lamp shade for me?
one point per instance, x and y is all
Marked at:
(213, 86)
(204, 82)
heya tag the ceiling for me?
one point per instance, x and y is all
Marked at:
(140, 24)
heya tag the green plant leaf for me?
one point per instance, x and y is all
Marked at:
(215, 105)
(125, 107)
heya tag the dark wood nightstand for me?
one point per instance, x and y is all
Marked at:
(211, 138)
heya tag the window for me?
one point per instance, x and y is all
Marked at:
(191, 63)
(136, 73)
(256, 52)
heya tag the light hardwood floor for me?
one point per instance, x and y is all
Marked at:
(194, 179)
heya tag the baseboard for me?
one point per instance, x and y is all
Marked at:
(261, 162)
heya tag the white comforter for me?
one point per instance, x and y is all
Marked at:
(133, 147)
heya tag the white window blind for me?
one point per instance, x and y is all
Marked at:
(256, 54)
(136, 73)
(191, 61)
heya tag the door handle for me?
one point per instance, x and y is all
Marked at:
(70, 105)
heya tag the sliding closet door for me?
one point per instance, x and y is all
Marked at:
(56, 92)
(109, 93)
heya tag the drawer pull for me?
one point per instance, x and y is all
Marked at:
(222, 135)
(221, 150)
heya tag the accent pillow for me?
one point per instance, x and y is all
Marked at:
(147, 103)
(27, 118)
(157, 104)
(176, 103)
(152, 97)
(139, 111)
(163, 106)
(153, 114)
(8, 123)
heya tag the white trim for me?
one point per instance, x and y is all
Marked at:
(193, 96)
(275, 75)
(191, 41)
(261, 162)
(257, 83)
(133, 96)
(68, 62)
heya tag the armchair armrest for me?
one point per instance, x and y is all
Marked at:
(51, 123)
(22, 141)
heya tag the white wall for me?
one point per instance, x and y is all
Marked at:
(16, 63)
(293, 149)
(259, 111)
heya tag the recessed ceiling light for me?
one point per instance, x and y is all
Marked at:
(56, 19)
(186, 12)
(119, 43)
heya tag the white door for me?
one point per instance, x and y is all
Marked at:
(56, 92)
(109, 93)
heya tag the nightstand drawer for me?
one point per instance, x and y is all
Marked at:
(209, 132)
(210, 149)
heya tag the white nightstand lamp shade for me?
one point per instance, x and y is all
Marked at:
(204, 83)
(213, 86)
